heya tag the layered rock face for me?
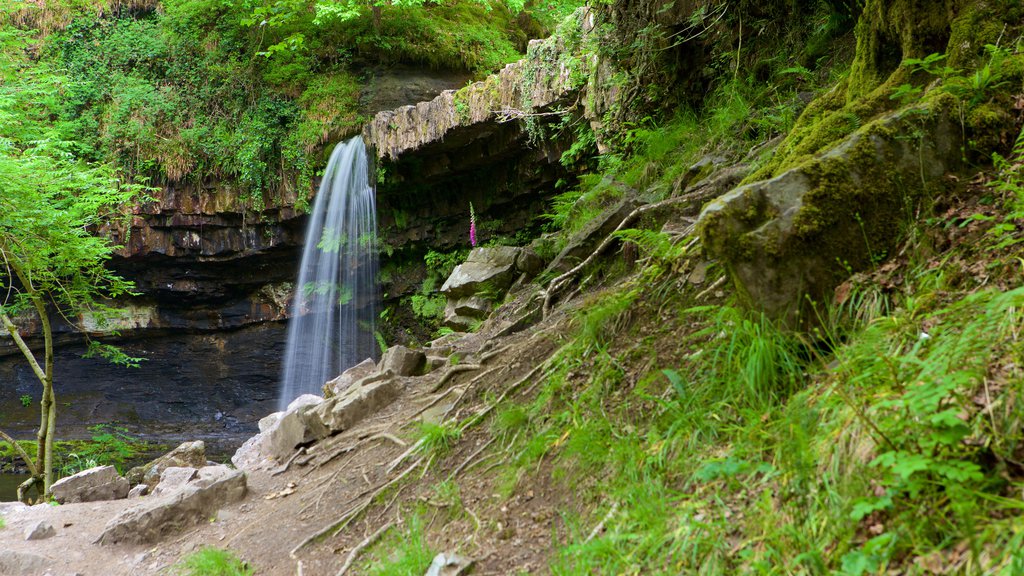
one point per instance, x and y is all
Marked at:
(215, 281)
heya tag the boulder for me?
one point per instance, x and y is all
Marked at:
(174, 478)
(463, 313)
(40, 531)
(189, 455)
(268, 421)
(196, 501)
(402, 361)
(487, 271)
(787, 242)
(342, 412)
(100, 483)
(281, 433)
(528, 262)
(349, 377)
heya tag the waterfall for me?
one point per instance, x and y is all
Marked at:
(334, 310)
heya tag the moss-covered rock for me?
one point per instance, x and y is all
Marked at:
(788, 241)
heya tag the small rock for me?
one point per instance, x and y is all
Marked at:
(138, 491)
(449, 565)
(349, 377)
(100, 483)
(187, 455)
(40, 531)
(402, 361)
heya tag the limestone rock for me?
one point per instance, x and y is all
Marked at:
(449, 565)
(195, 502)
(349, 377)
(342, 412)
(536, 83)
(402, 361)
(268, 421)
(486, 270)
(249, 455)
(40, 531)
(138, 491)
(174, 478)
(462, 313)
(789, 241)
(13, 563)
(189, 455)
(100, 483)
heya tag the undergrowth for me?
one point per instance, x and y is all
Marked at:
(211, 561)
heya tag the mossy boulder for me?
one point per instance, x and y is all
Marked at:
(790, 240)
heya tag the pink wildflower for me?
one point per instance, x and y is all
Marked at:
(472, 226)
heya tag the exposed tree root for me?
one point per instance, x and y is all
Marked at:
(467, 461)
(284, 467)
(367, 497)
(558, 283)
(458, 368)
(366, 543)
(600, 526)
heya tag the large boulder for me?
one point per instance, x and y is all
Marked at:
(188, 455)
(486, 270)
(789, 241)
(402, 361)
(349, 377)
(94, 484)
(280, 433)
(342, 412)
(194, 502)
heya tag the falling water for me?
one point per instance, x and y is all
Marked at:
(335, 305)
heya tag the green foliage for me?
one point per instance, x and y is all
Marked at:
(402, 553)
(110, 446)
(210, 561)
(26, 400)
(1009, 184)
(437, 439)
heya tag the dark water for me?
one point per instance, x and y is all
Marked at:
(9, 486)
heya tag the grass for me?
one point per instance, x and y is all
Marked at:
(401, 552)
(884, 443)
(211, 561)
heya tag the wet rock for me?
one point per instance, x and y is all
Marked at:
(174, 478)
(40, 531)
(188, 455)
(14, 563)
(402, 361)
(349, 377)
(94, 484)
(195, 502)
(449, 565)
(486, 270)
(789, 241)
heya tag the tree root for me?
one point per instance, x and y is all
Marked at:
(21, 452)
(558, 283)
(472, 457)
(367, 497)
(284, 468)
(366, 543)
(718, 283)
(600, 526)
(452, 372)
